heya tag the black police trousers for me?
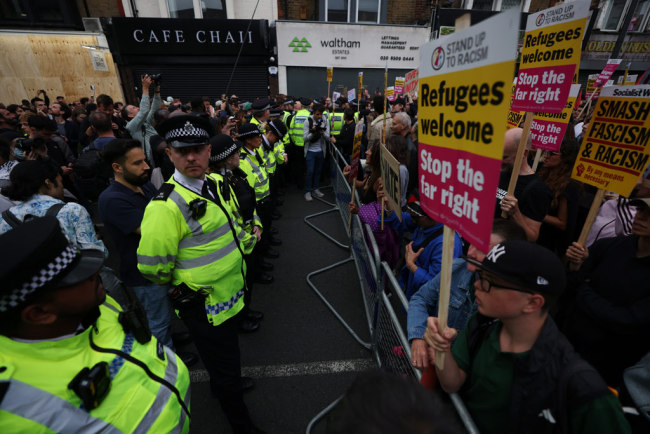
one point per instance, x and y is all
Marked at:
(218, 347)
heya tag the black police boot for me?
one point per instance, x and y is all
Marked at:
(264, 278)
(249, 326)
(247, 383)
(265, 265)
(254, 315)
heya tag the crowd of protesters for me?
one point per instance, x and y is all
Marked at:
(523, 318)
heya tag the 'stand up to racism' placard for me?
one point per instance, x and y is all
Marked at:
(464, 94)
(615, 151)
(547, 130)
(549, 57)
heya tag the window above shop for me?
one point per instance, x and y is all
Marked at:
(181, 8)
(337, 11)
(613, 13)
(40, 14)
(214, 9)
(197, 9)
(368, 11)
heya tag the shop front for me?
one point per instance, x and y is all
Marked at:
(196, 58)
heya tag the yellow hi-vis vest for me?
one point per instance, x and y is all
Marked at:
(336, 124)
(296, 129)
(256, 174)
(36, 377)
(248, 240)
(258, 123)
(268, 156)
(287, 137)
(201, 252)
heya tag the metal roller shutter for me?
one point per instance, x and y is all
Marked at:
(189, 81)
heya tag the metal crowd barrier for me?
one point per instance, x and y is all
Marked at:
(389, 343)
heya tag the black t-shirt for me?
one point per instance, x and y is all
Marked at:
(121, 209)
(533, 195)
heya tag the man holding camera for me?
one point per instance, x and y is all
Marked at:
(316, 133)
(140, 119)
(190, 239)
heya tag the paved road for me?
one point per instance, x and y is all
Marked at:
(301, 357)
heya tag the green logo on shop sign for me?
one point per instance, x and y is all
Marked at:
(300, 45)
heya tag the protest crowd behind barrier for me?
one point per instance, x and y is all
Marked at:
(497, 213)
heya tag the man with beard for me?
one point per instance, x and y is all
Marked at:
(8, 125)
(121, 208)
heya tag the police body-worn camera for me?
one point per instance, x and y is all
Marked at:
(92, 385)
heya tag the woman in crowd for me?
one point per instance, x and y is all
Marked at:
(558, 228)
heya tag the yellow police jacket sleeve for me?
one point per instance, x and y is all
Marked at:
(278, 152)
(161, 230)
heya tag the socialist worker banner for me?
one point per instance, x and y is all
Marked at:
(547, 129)
(465, 84)
(549, 57)
(615, 151)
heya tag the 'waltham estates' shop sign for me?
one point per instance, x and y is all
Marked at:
(189, 37)
(349, 45)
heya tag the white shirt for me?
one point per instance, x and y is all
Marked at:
(194, 184)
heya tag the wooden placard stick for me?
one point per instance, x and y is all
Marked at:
(520, 156)
(354, 187)
(538, 156)
(591, 217)
(448, 236)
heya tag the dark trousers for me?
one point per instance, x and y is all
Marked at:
(264, 211)
(218, 347)
(251, 269)
(297, 164)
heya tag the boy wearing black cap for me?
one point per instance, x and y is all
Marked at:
(67, 363)
(515, 370)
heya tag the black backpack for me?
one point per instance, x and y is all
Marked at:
(14, 221)
(92, 174)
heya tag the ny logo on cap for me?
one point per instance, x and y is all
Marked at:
(541, 281)
(496, 252)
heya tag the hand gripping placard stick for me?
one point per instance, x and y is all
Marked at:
(520, 156)
(448, 236)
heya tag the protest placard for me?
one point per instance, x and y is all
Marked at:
(390, 179)
(399, 85)
(336, 95)
(514, 117)
(630, 80)
(590, 88)
(411, 83)
(390, 93)
(549, 57)
(352, 93)
(615, 150)
(360, 86)
(547, 130)
(354, 162)
(330, 73)
(607, 72)
(356, 151)
(464, 95)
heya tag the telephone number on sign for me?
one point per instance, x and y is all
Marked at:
(397, 58)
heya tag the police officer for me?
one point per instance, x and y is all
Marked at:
(191, 239)
(261, 113)
(272, 145)
(296, 133)
(67, 364)
(254, 165)
(240, 196)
